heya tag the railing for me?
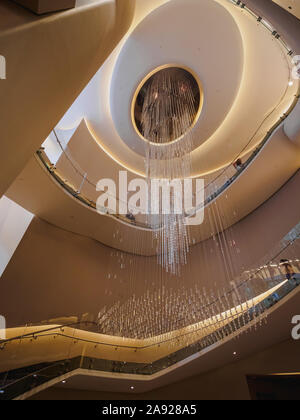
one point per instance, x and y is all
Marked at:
(215, 184)
(35, 376)
(269, 272)
(16, 382)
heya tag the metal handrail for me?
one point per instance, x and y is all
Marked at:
(90, 203)
(139, 368)
(73, 324)
(221, 189)
(41, 333)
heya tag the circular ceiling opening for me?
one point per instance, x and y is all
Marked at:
(167, 104)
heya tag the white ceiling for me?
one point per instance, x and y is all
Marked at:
(180, 32)
(37, 192)
(218, 41)
(264, 79)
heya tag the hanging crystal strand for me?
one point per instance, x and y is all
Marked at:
(253, 323)
(232, 313)
(228, 316)
(209, 316)
(216, 312)
(222, 311)
(203, 314)
(238, 309)
(246, 315)
(168, 112)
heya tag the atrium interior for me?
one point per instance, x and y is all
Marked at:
(149, 199)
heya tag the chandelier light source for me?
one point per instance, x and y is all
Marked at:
(166, 108)
(165, 96)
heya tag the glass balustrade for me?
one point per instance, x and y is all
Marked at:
(81, 183)
(67, 349)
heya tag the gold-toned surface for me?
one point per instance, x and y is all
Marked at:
(142, 83)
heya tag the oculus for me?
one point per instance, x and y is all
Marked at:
(167, 104)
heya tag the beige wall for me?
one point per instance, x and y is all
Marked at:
(14, 221)
(55, 273)
(50, 59)
(226, 383)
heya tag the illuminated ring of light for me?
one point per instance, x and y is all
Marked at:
(142, 83)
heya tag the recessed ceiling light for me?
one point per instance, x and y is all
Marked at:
(234, 353)
(132, 388)
(63, 382)
(291, 83)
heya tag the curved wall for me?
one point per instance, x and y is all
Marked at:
(49, 61)
(225, 383)
(55, 273)
(285, 23)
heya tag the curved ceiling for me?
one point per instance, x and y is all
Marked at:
(37, 192)
(183, 37)
(244, 71)
(267, 69)
(50, 59)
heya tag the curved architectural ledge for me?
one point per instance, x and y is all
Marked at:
(176, 43)
(257, 180)
(210, 198)
(65, 49)
(220, 148)
(35, 190)
(292, 125)
(216, 183)
(285, 23)
(276, 329)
